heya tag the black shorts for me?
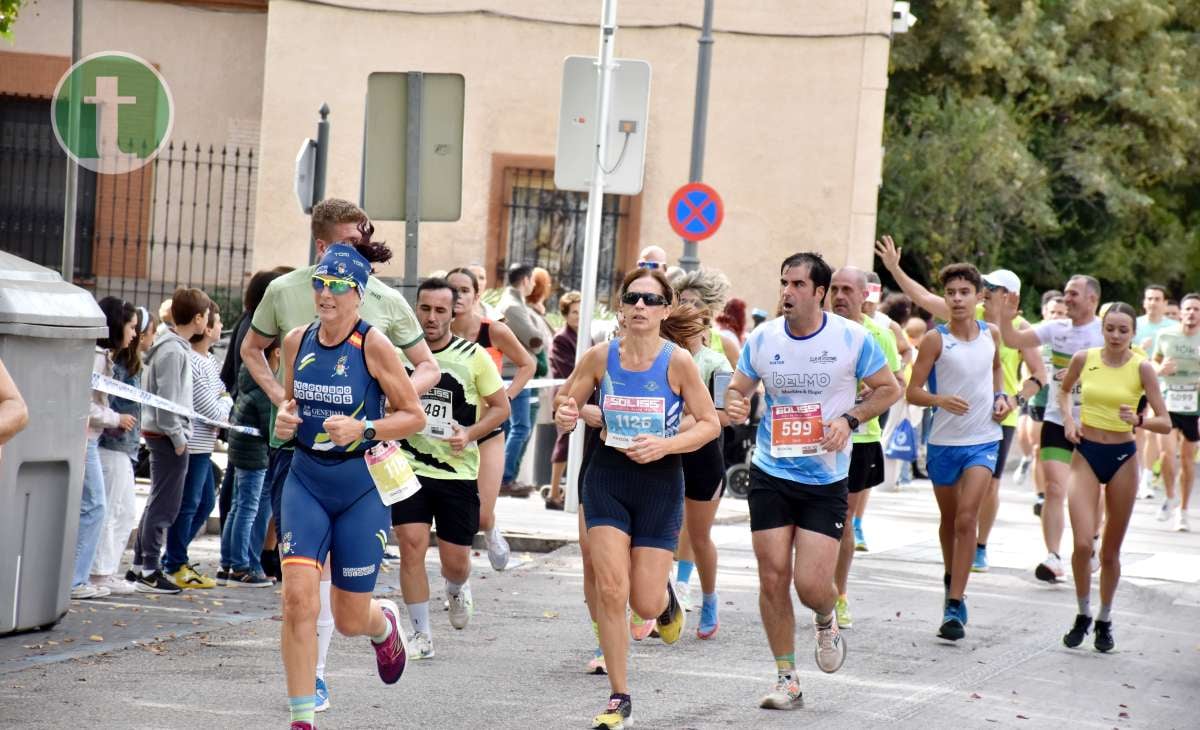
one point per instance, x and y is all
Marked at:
(1037, 413)
(1189, 426)
(866, 467)
(1054, 445)
(453, 504)
(704, 472)
(1002, 455)
(645, 501)
(776, 502)
(491, 435)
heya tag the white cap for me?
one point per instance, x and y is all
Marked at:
(1004, 278)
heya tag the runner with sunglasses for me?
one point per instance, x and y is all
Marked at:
(653, 258)
(633, 488)
(338, 373)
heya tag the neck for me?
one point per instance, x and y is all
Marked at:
(201, 346)
(438, 344)
(1115, 354)
(805, 323)
(1080, 321)
(465, 322)
(337, 330)
(641, 342)
(185, 332)
(962, 327)
(1154, 318)
(1189, 331)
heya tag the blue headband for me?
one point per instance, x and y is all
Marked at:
(342, 261)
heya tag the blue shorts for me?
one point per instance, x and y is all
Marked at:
(645, 501)
(945, 464)
(331, 505)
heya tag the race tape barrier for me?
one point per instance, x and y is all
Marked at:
(537, 383)
(105, 384)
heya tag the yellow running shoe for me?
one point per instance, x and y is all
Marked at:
(616, 716)
(670, 623)
(188, 577)
(842, 609)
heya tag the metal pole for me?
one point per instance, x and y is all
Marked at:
(71, 202)
(319, 164)
(412, 184)
(595, 212)
(690, 261)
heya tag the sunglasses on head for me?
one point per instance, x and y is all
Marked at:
(652, 300)
(648, 264)
(335, 286)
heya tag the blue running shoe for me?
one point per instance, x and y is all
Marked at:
(708, 621)
(952, 624)
(981, 564)
(322, 696)
(860, 544)
(962, 610)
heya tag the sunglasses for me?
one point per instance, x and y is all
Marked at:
(648, 265)
(335, 286)
(652, 300)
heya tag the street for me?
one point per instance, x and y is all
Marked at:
(211, 658)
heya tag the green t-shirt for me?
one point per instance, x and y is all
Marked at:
(469, 375)
(869, 432)
(289, 303)
(1180, 389)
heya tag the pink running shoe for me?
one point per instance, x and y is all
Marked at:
(392, 654)
(301, 725)
(640, 628)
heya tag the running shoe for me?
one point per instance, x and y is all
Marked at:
(842, 609)
(392, 655)
(1050, 569)
(115, 585)
(1094, 561)
(952, 624)
(860, 544)
(462, 607)
(1181, 521)
(981, 562)
(1022, 470)
(223, 575)
(1164, 512)
(88, 591)
(709, 622)
(639, 628)
(616, 716)
(133, 574)
(1104, 637)
(156, 582)
(301, 725)
(670, 623)
(188, 577)
(683, 593)
(830, 651)
(422, 646)
(1074, 637)
(322, 694)
(248, 579)
(497, 549)
(391, 556)
(596, 664)
(785, 695)
(1037, 506)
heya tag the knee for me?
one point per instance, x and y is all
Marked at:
(351, 623)
(1055, 489)
(775, 580)
(965, 523)
(300, 607)
(610, 587)
(811, 592)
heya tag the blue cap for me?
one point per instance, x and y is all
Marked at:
(342, 261)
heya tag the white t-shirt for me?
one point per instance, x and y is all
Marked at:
(1065, 339)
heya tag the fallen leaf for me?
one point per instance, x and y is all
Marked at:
(96, 637)
(1123, 715)
(1022, 717)
(217, 603)
(119, 623)
(51, 642)
(976, 696)
(550, 614)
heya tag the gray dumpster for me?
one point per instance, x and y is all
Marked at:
(48, 332)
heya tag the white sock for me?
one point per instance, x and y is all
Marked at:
(324, 628)
(387, 631)
(453, 588)
(418, 613)
(147, 572)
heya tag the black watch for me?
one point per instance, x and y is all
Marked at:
(851, 421)
(368, 430)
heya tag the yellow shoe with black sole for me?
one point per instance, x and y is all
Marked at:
(617, 716)
(670, 623)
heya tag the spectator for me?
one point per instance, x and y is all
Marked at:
(14, 415)
(243, 533)
(168, 375)
(543, 286)
(562, 364)
(523, 323)
(486, 310)
(166, 320)
(210, 400)
(118, 455)
(121, 329)
(732, 321)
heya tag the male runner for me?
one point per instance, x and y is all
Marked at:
(1176, 355)
(810, 363)
(445, 458)
(848, 291)
(1154, 303)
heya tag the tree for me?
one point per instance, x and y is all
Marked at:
(1049, 137)
(8, 16)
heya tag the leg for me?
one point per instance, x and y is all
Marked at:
(816, 557)
(168, 475)
(1084, 489)
(91, 515)
(557, 469)
(698, 520)
(989, 507)
(1052, 511)
(518, 435)
(1187, 457)
(773, 550)
(650, 569)
(456, 561)
(609, 548)
(589, 573)
(947, 502)
(225, 494)
(491, 469)
(971, 487)
(180, 533)
(299, 639)
(1120, 494)
(845, 553)
(119, 505)
(355, 614)
(259, 532)
(414, 543)
(248, 488)
(1168, 442)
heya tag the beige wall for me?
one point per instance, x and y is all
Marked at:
(794, 123)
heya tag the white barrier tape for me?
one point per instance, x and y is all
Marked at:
(537, 383)
(105, 384)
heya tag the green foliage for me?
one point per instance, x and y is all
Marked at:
(8, 16)
(1048, 136)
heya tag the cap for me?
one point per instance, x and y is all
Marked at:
(342, 261)
(1004, 278)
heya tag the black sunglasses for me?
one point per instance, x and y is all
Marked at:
(652, 300)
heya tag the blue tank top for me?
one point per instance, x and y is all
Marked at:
(638, 402)
(332, 381)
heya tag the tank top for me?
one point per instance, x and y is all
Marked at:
(1104, 389)
(964, 369)
(636, 402)
(484, 339)
(715, 343)
(331, 381)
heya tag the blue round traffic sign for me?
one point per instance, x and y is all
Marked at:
(695, 211)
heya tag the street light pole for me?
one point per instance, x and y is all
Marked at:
(690, 261)
(71, 202)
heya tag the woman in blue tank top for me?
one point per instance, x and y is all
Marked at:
(339, 373)
(633, 490)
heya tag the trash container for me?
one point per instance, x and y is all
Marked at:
(48, 331)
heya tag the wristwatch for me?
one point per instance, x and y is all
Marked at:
(368, 430)
(851, 421)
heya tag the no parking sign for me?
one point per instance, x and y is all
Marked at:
(695, 211)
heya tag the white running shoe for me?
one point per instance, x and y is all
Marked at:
(497, 549)
(786, 695)
(1164, 512)
(831, 647)
(462, 607)
(420, 646)
(1050, 569)
(1181, 521)
(115, 585)
(683, 594)
(1095, 561)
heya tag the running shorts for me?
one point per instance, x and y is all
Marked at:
(1189, 426)
(1054, 443)
(866, 467)
(451, 504)
(704, 472)
(775, 502)
(945, 464)
(645, 501)
(1005, 446)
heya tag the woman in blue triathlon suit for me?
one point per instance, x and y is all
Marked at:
(633, 488)
(339, 373)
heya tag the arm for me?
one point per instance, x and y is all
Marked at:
(507, 342)
(255, 359)
(206, 399)
(522, 325)
(1000, 406)
(686, 375)
(14, 415)
(1161, 422)
(889, 254)
(496, 413)
(426, 372)
(407, 416)
(927, 354)
(174, 384)
(1037, 373)
(1070, 378)
(902, 346)
(286, 419)
(578, 388)
(1016, 339)
(731, 348)
(100, 415)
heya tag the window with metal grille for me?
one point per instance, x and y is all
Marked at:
(545, 226)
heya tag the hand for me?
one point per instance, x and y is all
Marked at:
(952, 403)
(286, 420)
(458, 438)
(128, 421)
(737, 407)
(1001, 407)
(888, 253)
(837, 433)
(647, 448)
(1128, 415)
(567, 416)
(1169, 367)
(344, 430)
(592, 415)
(181, 450)
(1070, 429)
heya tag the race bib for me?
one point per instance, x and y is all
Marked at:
(1076, 392)
(796, 430)
(393, 477)
(1183, 399)
(438, 405)
(720, 385)
(626, 418)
